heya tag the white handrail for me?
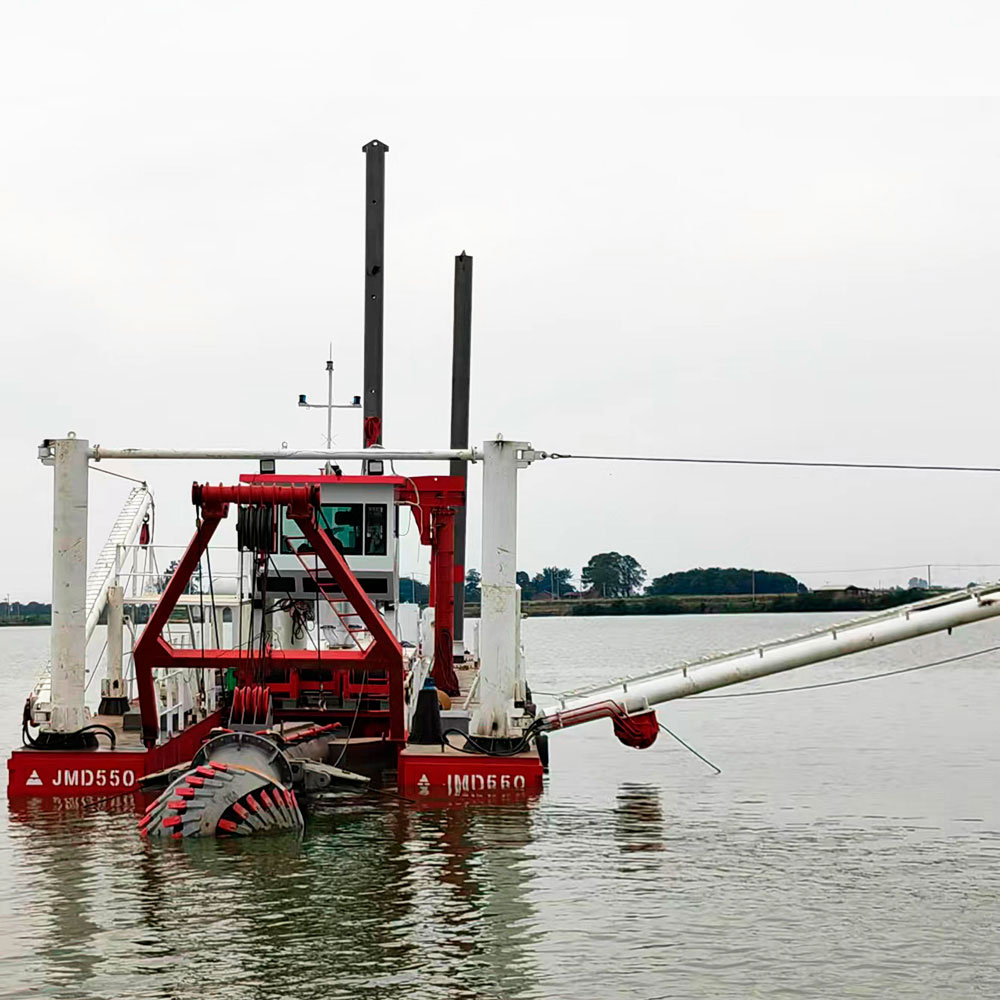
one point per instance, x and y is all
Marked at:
(105, 569)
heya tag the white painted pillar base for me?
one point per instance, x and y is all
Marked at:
(69, 585)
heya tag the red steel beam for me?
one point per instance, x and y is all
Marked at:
(298, 499)
(293, 659)
(444, 601)
(434, 501)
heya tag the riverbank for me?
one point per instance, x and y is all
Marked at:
(688, 604)
(717, 604)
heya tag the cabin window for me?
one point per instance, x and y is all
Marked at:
(344, 523)
(375, 525)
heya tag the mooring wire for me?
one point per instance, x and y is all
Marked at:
(849, 680)
(211, 590)
(390, 795)
(93, 673)
(718, 770)
(118, 475)
(777, 462)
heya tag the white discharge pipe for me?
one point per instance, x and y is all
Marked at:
(639, 694)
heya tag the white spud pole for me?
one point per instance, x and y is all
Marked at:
(498, 606)
(69, 585)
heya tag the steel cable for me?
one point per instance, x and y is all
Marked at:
(775, 462)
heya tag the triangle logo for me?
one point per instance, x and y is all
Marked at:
(423, 784)
(33, 779)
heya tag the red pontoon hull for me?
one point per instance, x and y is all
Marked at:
(53, 774)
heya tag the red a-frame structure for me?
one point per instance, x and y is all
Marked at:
(384, 654)
(433, 499)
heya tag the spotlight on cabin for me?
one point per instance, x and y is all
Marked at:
(267, 466)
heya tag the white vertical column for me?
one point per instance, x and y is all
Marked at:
(114, 701)
(520, 686)
(498, 608)
(69, 585)
(116, 624)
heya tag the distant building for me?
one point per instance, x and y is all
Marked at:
(838, 591)
(917, 583)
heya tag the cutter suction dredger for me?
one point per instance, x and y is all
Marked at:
(307, 688)
(238, 705)
(315, 693)
(630, 701)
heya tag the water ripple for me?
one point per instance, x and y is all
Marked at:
(850, 848)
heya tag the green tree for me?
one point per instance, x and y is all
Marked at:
(632, 576)
(613, 575)
(718, 581)
(473, 587)
(602, 574)
(413, 591)
(190, 588)
(553, 580)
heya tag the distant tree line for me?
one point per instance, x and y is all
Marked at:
(25, 613)
(413, 591)
(613, 575)
(606, 575)
(718, 581)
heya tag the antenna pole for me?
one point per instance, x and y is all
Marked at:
(329, 403)
(461, 364)
(374, 279)
(329, 409)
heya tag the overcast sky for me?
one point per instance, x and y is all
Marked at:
(693, 235)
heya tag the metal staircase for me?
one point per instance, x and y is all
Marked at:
(350, 621)
(124, 532)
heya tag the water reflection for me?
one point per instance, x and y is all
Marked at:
(834, 858)
(378, 900)
(639, 818)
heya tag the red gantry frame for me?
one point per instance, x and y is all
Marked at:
(433, 499)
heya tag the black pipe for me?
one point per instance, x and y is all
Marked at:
(374, 279)
(461, 364)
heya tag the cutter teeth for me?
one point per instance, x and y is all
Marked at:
(226, 800)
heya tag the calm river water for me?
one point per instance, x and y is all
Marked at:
(850, 848)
